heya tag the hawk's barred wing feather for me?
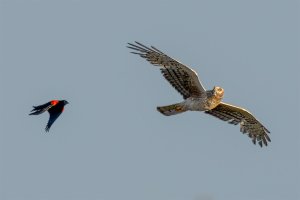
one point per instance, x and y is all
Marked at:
(182, 78)
(248, 123)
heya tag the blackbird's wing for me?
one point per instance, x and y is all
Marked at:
(53, 117)
(41, 108)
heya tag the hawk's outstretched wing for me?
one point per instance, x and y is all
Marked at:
(248, 123)
(181, 77)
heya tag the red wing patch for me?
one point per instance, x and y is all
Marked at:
(54, 102)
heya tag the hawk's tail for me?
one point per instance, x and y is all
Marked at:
(172, 109)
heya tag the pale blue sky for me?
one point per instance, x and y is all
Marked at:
(111, 143)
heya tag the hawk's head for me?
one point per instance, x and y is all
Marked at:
(218, 92)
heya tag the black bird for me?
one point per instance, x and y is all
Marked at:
(54, 107)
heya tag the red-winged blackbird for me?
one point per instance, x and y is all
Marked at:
(54, 107)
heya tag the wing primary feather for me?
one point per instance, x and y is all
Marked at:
(254, 138)
(265, 141)
(266, 129)
(147, 48)
(141, 48)
(137, 53)
(268, 138)
(158, 50)
(134, 47)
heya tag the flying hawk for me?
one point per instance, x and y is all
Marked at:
(196, 98)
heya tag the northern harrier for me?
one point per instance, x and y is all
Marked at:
(185, 80)
(54, 107)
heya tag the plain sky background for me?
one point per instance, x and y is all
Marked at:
(111, 143)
